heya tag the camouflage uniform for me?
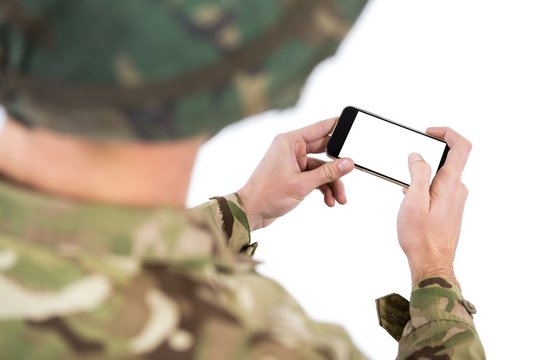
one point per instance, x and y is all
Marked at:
(93, 281)
(90, 281)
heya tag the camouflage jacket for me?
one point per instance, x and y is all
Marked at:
(88, 281)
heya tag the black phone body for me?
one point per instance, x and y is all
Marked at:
(381, 147)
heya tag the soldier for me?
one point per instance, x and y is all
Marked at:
(97, 257)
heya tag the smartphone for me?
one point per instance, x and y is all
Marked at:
(381, 147)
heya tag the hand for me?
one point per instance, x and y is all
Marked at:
(429, 220)
(286, 175)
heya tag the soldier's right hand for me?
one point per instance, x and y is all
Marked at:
(429, 220)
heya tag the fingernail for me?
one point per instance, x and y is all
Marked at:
(415, 157)
(344, 165)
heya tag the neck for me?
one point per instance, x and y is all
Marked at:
(133, 174)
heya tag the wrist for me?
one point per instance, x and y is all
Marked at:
(419, 273)
(245, 198)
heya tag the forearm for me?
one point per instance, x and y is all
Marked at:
(443, 268)
(122, 173)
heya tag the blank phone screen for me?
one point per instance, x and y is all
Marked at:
(383, 147)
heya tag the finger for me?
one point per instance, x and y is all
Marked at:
(313, 163)
(460, 149)
(326, 173)
(420, 175)
(316, 131)
(338, 189)
(318, 146)
(329, 199)
(449, 135)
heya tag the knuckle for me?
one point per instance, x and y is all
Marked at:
(278, 139)
(454, 184)
(445, 130)
(321, 126)
(449, 175)
(467, 145)
(464, 190)
(414, 208)
(298, 144)
(328, 173)
(301, 189)
(409, 206)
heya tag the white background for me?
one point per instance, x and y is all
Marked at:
(473, 65)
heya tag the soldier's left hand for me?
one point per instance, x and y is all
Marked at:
(286, 175)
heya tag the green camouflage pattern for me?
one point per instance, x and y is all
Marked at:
(87, 281)
(160, 69)
(437, 324)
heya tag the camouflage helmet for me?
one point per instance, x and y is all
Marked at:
(160, 69)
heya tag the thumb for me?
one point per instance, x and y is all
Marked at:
(420, 173)
(328, 172)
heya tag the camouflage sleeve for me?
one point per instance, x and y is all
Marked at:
(91, 281)
(437, 324)
(227, 213)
